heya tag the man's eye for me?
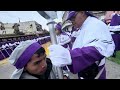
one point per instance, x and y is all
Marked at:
(37, 62)
(38, 56)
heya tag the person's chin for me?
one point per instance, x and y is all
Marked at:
(42, 72)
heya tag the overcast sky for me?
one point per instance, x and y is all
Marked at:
(14, 16)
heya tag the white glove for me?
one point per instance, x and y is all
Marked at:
(59, 56)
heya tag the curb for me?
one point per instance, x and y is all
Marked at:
(4, 61)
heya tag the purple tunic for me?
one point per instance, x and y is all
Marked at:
(84, 57)
(116, 38)
(115, 20)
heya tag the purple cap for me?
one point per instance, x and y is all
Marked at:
(58, 26)
(26, 55)
(73, 13)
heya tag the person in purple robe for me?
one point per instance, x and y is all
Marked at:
(62, 37)
(115, 25)
(64, 40)
(115, 20)
(92, 45)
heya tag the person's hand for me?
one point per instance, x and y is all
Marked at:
(59, 55)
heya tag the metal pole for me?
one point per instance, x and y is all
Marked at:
(49, 16)
(52, 31)
(54, 41)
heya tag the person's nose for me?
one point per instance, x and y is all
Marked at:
(43, 64)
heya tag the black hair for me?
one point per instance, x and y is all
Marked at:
(40, 51)
(90, 13)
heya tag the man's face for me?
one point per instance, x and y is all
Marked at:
(57, 32)
(77, 20)
(117, 12)
(37, 65)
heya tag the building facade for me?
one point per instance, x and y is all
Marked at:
(29, 27)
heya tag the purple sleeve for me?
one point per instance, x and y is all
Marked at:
(116, 38)
(83, 57)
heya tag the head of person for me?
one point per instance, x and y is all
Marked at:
(117, 12)
(30, 56)
(58, 28)
(78, 17)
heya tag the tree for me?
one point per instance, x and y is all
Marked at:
(16, 29)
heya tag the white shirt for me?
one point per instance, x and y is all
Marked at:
(63, 39)
(95, 33)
